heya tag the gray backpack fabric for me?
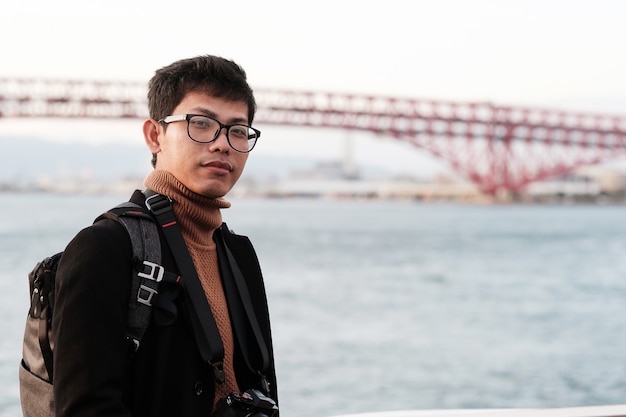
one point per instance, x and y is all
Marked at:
(36, 371)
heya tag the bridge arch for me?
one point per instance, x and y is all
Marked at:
(499, 148)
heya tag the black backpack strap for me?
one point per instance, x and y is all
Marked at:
(203, 323)
(241, 309)
(147, 272)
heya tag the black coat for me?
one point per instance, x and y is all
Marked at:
(93, 374)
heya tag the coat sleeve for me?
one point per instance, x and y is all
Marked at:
(89, 323)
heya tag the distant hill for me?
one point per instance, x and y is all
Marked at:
(29, 160)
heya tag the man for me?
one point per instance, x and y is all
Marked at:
(199, 135)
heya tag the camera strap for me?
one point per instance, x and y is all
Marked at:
(200, 315)
(241, 308)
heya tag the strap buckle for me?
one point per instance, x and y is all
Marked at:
(148, 290)
(156, 271)
(158, 204)
(218, 372)
(145, 294)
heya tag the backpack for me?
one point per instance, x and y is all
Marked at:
(36, 370)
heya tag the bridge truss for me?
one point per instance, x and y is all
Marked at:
(498, 148)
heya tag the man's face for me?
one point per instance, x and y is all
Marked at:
(210, 169)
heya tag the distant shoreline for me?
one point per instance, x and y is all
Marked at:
(419, 192)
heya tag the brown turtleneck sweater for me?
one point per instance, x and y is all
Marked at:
(198, 217)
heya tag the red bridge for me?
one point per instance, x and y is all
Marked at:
(499, 148)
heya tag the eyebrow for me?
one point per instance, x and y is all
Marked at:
(212, 114)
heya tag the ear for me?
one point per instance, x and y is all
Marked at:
(151, 130)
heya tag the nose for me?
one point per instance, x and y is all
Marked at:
(220, 143)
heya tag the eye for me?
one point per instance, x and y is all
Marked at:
(201, 122)
(239, 131)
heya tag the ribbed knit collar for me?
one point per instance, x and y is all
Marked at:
(198, 216)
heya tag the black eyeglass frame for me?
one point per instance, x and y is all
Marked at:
(187, 117)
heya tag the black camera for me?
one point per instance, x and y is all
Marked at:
(251, 403)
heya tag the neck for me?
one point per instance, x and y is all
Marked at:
(197, 215)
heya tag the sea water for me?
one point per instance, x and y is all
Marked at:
(388, 305)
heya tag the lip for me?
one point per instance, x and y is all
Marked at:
(221, 165)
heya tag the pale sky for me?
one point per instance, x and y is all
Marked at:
(565, 54)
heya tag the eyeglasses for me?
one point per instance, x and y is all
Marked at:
(205, 129)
